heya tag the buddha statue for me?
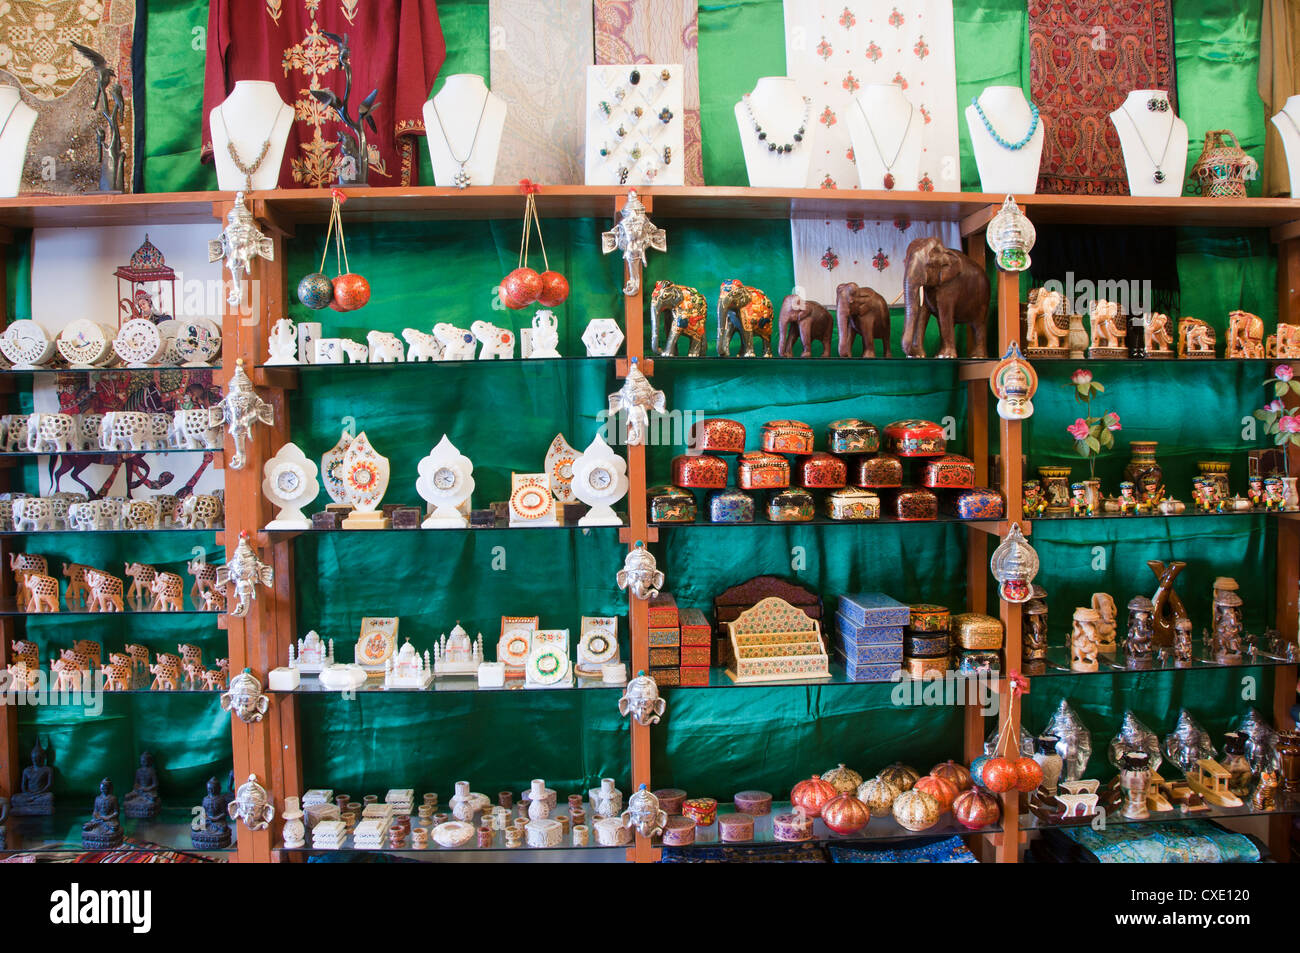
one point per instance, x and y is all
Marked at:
(103, 831)
(143, 800)
(35, 797)
(214, 830)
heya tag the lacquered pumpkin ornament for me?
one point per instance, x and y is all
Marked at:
(954, 772)
(812, 795)
(916, 810)
(900, 775)
(555, 289)
(943, 790)
(351, 292)
(1029, 775)
(845, 814)
(878, 795)
(998, 775)
(520, 288)
(974, 809)
(316, 291)
(845, 780)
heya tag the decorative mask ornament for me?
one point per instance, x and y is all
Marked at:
(1011, 235)
(1014, 381)
(1014, 565)
(238, 411)
(636, 398)
(641, 573)
(1073, 740)
(1188, 742)
(239, 244)
(245, 570)
(1134, 736)
(633, 234)
(252, 805)
(643, 813)
(641, 699)
(245, 698)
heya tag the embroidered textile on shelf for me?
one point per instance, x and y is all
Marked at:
(397, 48)
(1083, 61)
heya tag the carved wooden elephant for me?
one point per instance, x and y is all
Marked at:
(689, 312)
(1195, 338)
(747, 311)
(861, 311)
(807, 320)
(1045, 315)
(1108, 325)
(385, 348)
(1245, 335)
(945, 283)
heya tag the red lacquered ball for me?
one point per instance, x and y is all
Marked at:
(812, 795)
(1029, 775)
(555, 288)
(999, 775)
(520, 288)
(975, 809)
(351, 292)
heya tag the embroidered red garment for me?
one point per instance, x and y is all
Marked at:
(1084, 58)
(396, 45)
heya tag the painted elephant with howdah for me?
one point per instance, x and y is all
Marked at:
(747, 311)
(689, 312)
(807, 320)
(861, 311)
(945, 283)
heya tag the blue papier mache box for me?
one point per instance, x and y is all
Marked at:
(873, 609)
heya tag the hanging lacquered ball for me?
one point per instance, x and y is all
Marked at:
(351, 292)
(520, 288)
(316, 291)
(555, 288)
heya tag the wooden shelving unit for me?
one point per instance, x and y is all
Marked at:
(269, 749)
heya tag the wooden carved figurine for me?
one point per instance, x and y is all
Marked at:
(166, 672)
(861, 311)
(118, 672)
(1168, 605)
(689, 312)
(945, 283)
(1182, 641)
(1285, 344)
(1108, 330)
(1033, 628)
(205, 581)
(168, 593)
(745, 311)
(1108, 625)
(1265, 796)
(1046, 320)
(1083, 640)
(1158, 337)
(77, 593)
(1195, 339)
(105, 591)
(807, 320)
(1245, 335)
(1226, 637)
(22, 563)
(1138, 640)
(1080, 504)
(141, 588)
(42, 592)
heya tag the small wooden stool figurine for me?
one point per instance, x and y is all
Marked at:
(1083, 640)
(1138, 640)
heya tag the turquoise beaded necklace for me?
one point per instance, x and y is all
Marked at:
(1013, 146)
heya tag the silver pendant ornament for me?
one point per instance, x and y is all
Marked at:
(1014, 565)
(245, 570)
(635, 399)
(244, 698)
(633, 235)
(252, 805)
(641, 700)
(1011, 235)
(239, 244)
(643, 813)
(238, 411)
(640, 573)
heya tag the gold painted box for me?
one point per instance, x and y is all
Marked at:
(823, 471)
(668, 504)
(695, 628)
(925, 667)
(666, 676)
(694, 675)
(879, 472)
(699, 470)
(718, 435)
(693, 655)
(951, 471)
(974, 630)
(979, 503)
(851, 503)
(791, 506)
(915, 438)
(665, 656)
(663, 611)
(774, 641)
(731, 506)
(787, 436)
(758, 470)
(665, 635)
(915, 504)
(925, 617)
(852, 436)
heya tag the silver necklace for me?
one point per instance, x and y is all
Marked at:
(1159, 175)
(461, 178)
(249, 169)
(780, 148)
(889, 166)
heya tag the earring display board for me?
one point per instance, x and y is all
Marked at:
(635, 131)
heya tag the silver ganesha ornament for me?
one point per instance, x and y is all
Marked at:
(245, 571)
(252, 805)
(238, 411)
(633, 235)
(643, 813)
(244, 697)
(641, 699)
(641, 573)
(239, 244)
(634, 401)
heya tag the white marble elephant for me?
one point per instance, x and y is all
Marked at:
(126, 430)
(385, 348)
(52, 433)
(457, 343)
(423, 347)
(497, 342)
(356, 352)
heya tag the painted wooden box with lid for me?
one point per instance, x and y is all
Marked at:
(787, 436)
(915, 438)
(852, 436)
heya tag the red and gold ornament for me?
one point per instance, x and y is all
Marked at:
(845, 814)
(347, 291)
(1029, 775)
(812, 795)
(999, 775)
(524, 286)
(974, 809)
(954, 772)
(941, 789)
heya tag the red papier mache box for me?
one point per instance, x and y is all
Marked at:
(665, 676)
(787, 436)
(695, 655)
(951, 471)
(823, 471)
(879, 472)
(694, 675)
(663, 612)
(762, 471)
(695, 628)
(699, 470)
(718, 435)
(915, 438)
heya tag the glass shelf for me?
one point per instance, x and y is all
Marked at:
(10, 611)
(60, 832)
(362, 367)
(166, 451)
(964, 689)
(762, 520)
(1286, 804)
(1058, 663)
(1189, 513)
(1159, 362)
(105, 532)
(45, 372)
(92, 697)
(501, 525)
(898, 358)
(310, 685)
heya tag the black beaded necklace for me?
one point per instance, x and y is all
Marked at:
(773, 146)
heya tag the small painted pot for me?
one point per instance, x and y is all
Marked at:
(758, 470)
(925, 617)
(699, 470)
(823, 471)
(679, 831)
(915, 438)
(852, 436)
(718, 435)
(787, 436)
(731, 506)
(951, 471)
(979, 503)
(702, 810)
(916, 810)
(735, 828)
(928, 645)
(668, 504)
(792, 827)
(879, 472)
(670, 800)
(851, 503)
(757, 803)
(791, 506)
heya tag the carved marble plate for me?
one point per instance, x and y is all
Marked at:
(85, 344)
(140, 343)
(198, 341)
(26, 345)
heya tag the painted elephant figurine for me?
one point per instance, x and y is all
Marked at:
(689, 313)
(807, 320)
(384, 347)
(863, 311)
(945, 283)
(745, 310)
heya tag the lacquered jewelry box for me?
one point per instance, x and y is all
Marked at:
(670, 800)
(663, 612)
(664, 636)
(791, 506)
(974, 630)
(823, 471)
(883, 672)
(868, 634)
(756, 803)
(735, 828)
(666, 676)
(731, 506)
(925, 667)
(927, 645)
(916, 504)
(695, 628)
(858, 653)
(852, 436)
(951, 471)
(699, 470)
(979, 503)
(718, 435)
(915, 438)
(879, 472)
(668, 504)
(850, 503)
(787, 436)
(974, 663)
(679, 831)
(792, 827)
(757, 470)
(702, 810)
(693, 656)
(924, 617)
(873, 609)
(664, 656)
(694, 675)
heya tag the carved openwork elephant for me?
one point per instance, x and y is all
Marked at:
(861, 311)
(1195, 338)
(745, 310)
(807, 320)
(1108, 325)
(945, 283)
(689, 313)
(1045, 315)
(1245, 335)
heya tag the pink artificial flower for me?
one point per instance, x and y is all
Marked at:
(1275, 406)
(1283, 372)
(1079, 429)
(1112, 421)
(1081, 376)
(1289, 424)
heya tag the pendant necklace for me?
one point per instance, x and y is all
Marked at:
(248, 170)
(1013, 146)
(795, 139)
(1159, 175)
(461, 178)
(889, 166)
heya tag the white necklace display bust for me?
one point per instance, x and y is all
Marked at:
(251, 115)
(779, 107)
(18, 120)
(1143, 135)
(1004, 170)
(1287, 123)
(883, 111)
(472, 120)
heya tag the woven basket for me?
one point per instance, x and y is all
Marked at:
(1222, 170)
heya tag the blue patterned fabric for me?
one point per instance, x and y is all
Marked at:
(1171, 842)
(950, 850)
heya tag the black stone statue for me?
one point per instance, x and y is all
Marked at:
(143, 800)
(35, 799)
(103, 831)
